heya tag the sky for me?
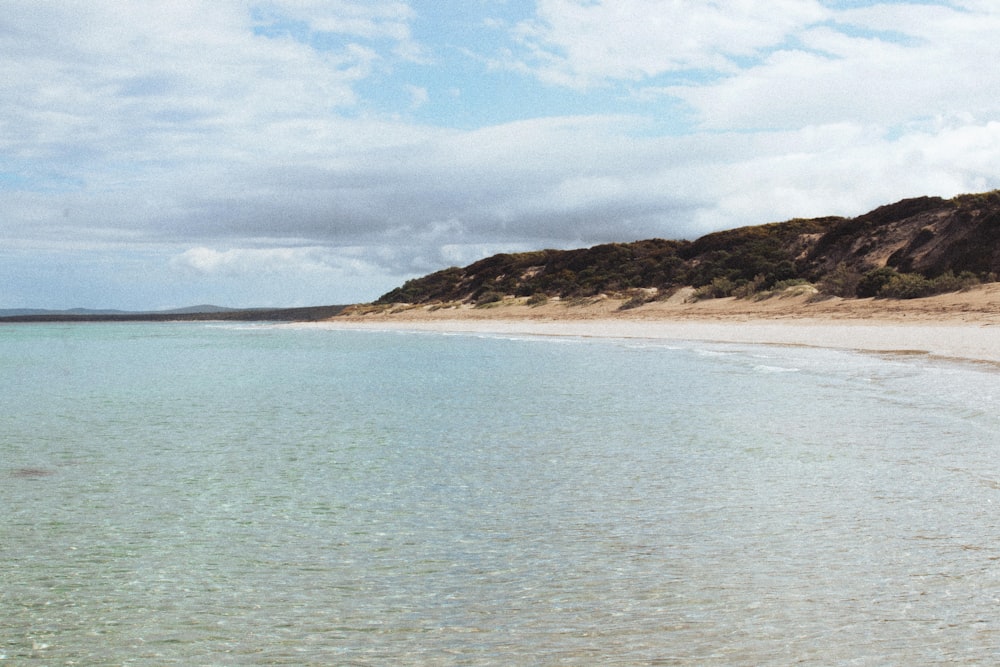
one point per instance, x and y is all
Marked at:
(308, 152)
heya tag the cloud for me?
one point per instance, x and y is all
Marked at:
(584, 44)
(418, 96)
(781, 65)
(148, 135)
(929, 65)
(240, 261)
(106, 83)
(362, 19)
(239, 145)
(119, 101)
(279, 276)
(302, 262)
(551, 182)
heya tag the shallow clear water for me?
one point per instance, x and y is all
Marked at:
(208, 494)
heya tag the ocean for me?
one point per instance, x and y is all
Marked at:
(211, 494)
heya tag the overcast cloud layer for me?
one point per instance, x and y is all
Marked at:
(307, 152)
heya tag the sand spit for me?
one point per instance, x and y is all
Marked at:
(963, 325)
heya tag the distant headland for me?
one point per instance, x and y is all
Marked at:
(191, 314)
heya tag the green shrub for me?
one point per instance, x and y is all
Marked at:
(635, 301)
(907, 286)
(871, 283)
(749, 288)
(791, 282)
(538, 299)
(916, 286)
(949, 282)
(717, 289)
(842, 281)
(488, 297)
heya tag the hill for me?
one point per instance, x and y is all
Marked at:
(915, 247)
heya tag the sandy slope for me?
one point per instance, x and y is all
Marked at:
(964, 325)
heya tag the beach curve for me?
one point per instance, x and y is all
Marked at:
(960, 326)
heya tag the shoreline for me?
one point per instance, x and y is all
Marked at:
(964, 342)
(962, 327)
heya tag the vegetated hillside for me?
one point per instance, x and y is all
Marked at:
(914, 247)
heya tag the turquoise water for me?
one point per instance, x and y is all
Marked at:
(233, 495)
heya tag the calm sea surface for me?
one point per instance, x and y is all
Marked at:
(237, 495)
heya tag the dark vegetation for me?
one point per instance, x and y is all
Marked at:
(913, 248)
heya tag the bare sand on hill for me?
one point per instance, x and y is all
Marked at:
(963, 325)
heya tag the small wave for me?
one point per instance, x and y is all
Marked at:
(764, 368)
(242, 326)
(702, 352)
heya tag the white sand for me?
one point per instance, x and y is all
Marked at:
(968, 341)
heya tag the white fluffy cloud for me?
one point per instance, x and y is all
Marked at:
(902, 64)
(583, 44)
(129, 84)
(299, 138)
(244, 261)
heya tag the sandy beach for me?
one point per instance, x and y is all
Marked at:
(962, 326)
